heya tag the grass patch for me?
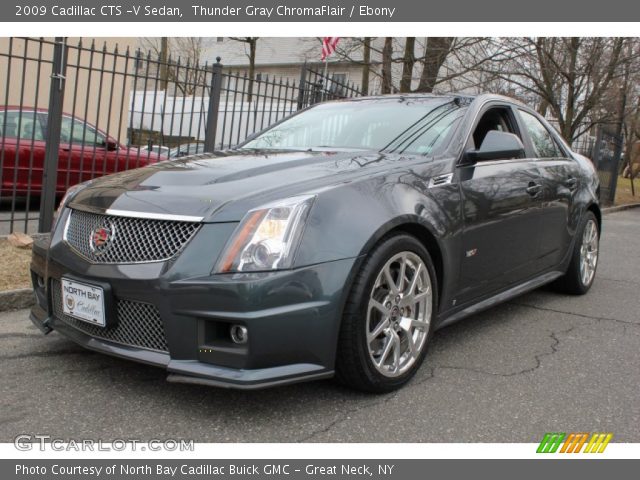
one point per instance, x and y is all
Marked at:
(14, 266)
(623, 191)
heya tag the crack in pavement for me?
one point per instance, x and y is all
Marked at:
(537, 357)
(432, 373)
(580, 315)
(386, 399)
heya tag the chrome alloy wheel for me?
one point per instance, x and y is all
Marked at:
(399, 314)
(589, 252)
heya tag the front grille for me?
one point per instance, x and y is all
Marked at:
(126, 240)
(139, 324)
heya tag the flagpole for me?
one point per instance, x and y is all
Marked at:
(326, 66)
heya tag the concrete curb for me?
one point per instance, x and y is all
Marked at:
(620, 208)
(35, 236)
(16, 299)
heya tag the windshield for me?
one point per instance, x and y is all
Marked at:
(411, 125)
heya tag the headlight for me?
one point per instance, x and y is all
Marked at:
(267, 237)
(63, 203)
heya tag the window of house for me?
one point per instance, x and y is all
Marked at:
(340, 78)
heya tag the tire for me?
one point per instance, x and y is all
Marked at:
(575, 281)
(379, 321)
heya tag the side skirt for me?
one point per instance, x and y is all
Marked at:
(501, 297)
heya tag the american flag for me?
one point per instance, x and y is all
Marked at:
(329, 46)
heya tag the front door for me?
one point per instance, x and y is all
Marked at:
(501, 209)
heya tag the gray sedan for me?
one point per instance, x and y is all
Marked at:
(333, 243)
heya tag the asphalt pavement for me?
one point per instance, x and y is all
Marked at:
(543, 362)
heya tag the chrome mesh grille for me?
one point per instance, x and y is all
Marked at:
(131, 240)
(139, 324)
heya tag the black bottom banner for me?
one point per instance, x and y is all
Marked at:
(388, 469)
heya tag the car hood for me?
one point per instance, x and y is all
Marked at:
(224, 186)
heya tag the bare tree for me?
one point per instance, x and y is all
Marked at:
(251, 43)
(366, 66)
(179, 61)
(422, 65)
(568, 77)
(408, 62)
(437, 50)
(387, 59)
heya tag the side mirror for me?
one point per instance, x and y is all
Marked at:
(111, 145)
(496, 146)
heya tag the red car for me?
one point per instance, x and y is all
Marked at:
(85, 152)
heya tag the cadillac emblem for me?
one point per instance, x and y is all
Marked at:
(101, 237)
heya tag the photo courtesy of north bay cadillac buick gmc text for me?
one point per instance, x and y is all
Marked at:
(331, 244)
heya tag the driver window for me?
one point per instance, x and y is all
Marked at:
(497, 118)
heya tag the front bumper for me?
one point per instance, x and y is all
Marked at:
(292, 317)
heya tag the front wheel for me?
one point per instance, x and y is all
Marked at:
(584, 259)
(388, 317)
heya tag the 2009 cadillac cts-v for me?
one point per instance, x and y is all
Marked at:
(334, 242)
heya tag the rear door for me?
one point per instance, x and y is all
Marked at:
(560, 179)
(501, 208)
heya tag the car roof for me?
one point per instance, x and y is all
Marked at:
(464, 97)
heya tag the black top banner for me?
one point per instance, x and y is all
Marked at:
(319, 11)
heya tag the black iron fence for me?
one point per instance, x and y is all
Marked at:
(73, 112)
(604, 148)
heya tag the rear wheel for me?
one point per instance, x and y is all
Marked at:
(388, 317)
(584, 259)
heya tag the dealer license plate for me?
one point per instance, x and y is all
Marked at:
(84, 302)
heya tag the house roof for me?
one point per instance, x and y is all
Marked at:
(269, 51)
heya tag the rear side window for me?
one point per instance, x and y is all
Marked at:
(73, 130)
(543, 143)
(23, 125)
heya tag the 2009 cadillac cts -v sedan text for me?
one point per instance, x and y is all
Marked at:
(334, 242)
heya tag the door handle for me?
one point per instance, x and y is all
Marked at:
(534, 189)
(571, 183)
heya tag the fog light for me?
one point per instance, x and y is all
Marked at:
(239, 334)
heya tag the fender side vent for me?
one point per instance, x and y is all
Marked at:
(441, 180)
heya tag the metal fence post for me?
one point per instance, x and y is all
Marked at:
(214, 107)
(615, 166)
(302, 86)
(54, 121)
(597, 148)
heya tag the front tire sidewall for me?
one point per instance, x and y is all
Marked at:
(362, 291)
